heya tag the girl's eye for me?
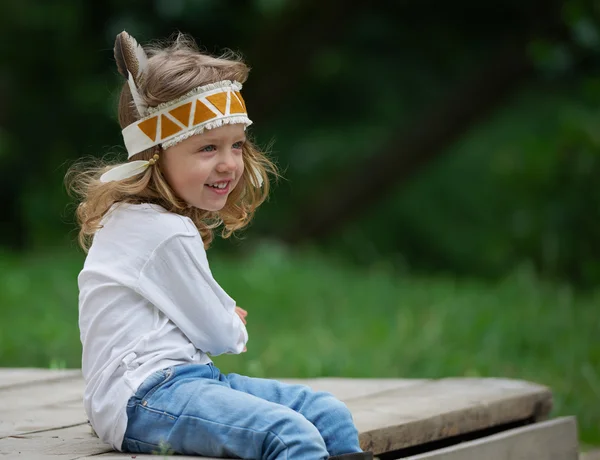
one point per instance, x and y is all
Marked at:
(208, 148)
(238, 145)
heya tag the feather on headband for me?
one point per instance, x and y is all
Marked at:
(132, 63)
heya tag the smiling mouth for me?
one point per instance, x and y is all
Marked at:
(220, 187)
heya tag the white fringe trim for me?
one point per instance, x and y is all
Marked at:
(233, 119)
(236, 85)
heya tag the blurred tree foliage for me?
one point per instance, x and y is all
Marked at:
(458, 136)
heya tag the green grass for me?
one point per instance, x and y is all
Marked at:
(309, 317)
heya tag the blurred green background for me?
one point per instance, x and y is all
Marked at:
(440, 208)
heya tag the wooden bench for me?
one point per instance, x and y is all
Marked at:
(42, 417)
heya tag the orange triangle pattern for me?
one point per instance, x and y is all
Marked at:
(167, 127)
(236, 105)
(203, 113)
(182, 113)
(148, 127)
(219, 100)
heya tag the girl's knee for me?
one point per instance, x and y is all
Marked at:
(295, 423)
(294, 433)
(336, 425)
(333, 407)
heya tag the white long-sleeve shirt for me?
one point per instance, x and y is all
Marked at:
(147, 300)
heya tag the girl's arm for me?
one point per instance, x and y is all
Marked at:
(177, 280)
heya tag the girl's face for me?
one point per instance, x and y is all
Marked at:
(205, 168)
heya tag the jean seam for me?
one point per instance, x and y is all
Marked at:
(131, 438)
(177, 417)
(168, 374)
(161, 412)
(240, 428)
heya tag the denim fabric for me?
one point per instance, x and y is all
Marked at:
(194, 409)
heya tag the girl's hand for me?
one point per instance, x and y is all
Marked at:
(242, 314)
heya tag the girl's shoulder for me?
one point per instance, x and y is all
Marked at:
(130, 236)
(147, 221)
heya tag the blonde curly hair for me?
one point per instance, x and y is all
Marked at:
(174, 69)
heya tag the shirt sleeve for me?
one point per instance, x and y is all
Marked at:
(177, 280)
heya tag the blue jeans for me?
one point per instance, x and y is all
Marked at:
(194, 409)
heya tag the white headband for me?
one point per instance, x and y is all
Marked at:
(205, 107)
(167, 124)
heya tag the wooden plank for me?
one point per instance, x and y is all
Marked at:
(60, 444)
(390, 413)
(552, 440)
(43, 418)
(70, 443)
(347, 389)
(435, 410)
(590, 455)
(27, 376)
(47, 403)
(41, 403)
(70, 386)
(43, 393)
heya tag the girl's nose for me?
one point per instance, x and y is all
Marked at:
(228, 162)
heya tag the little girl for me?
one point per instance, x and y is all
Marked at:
(150, 311)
